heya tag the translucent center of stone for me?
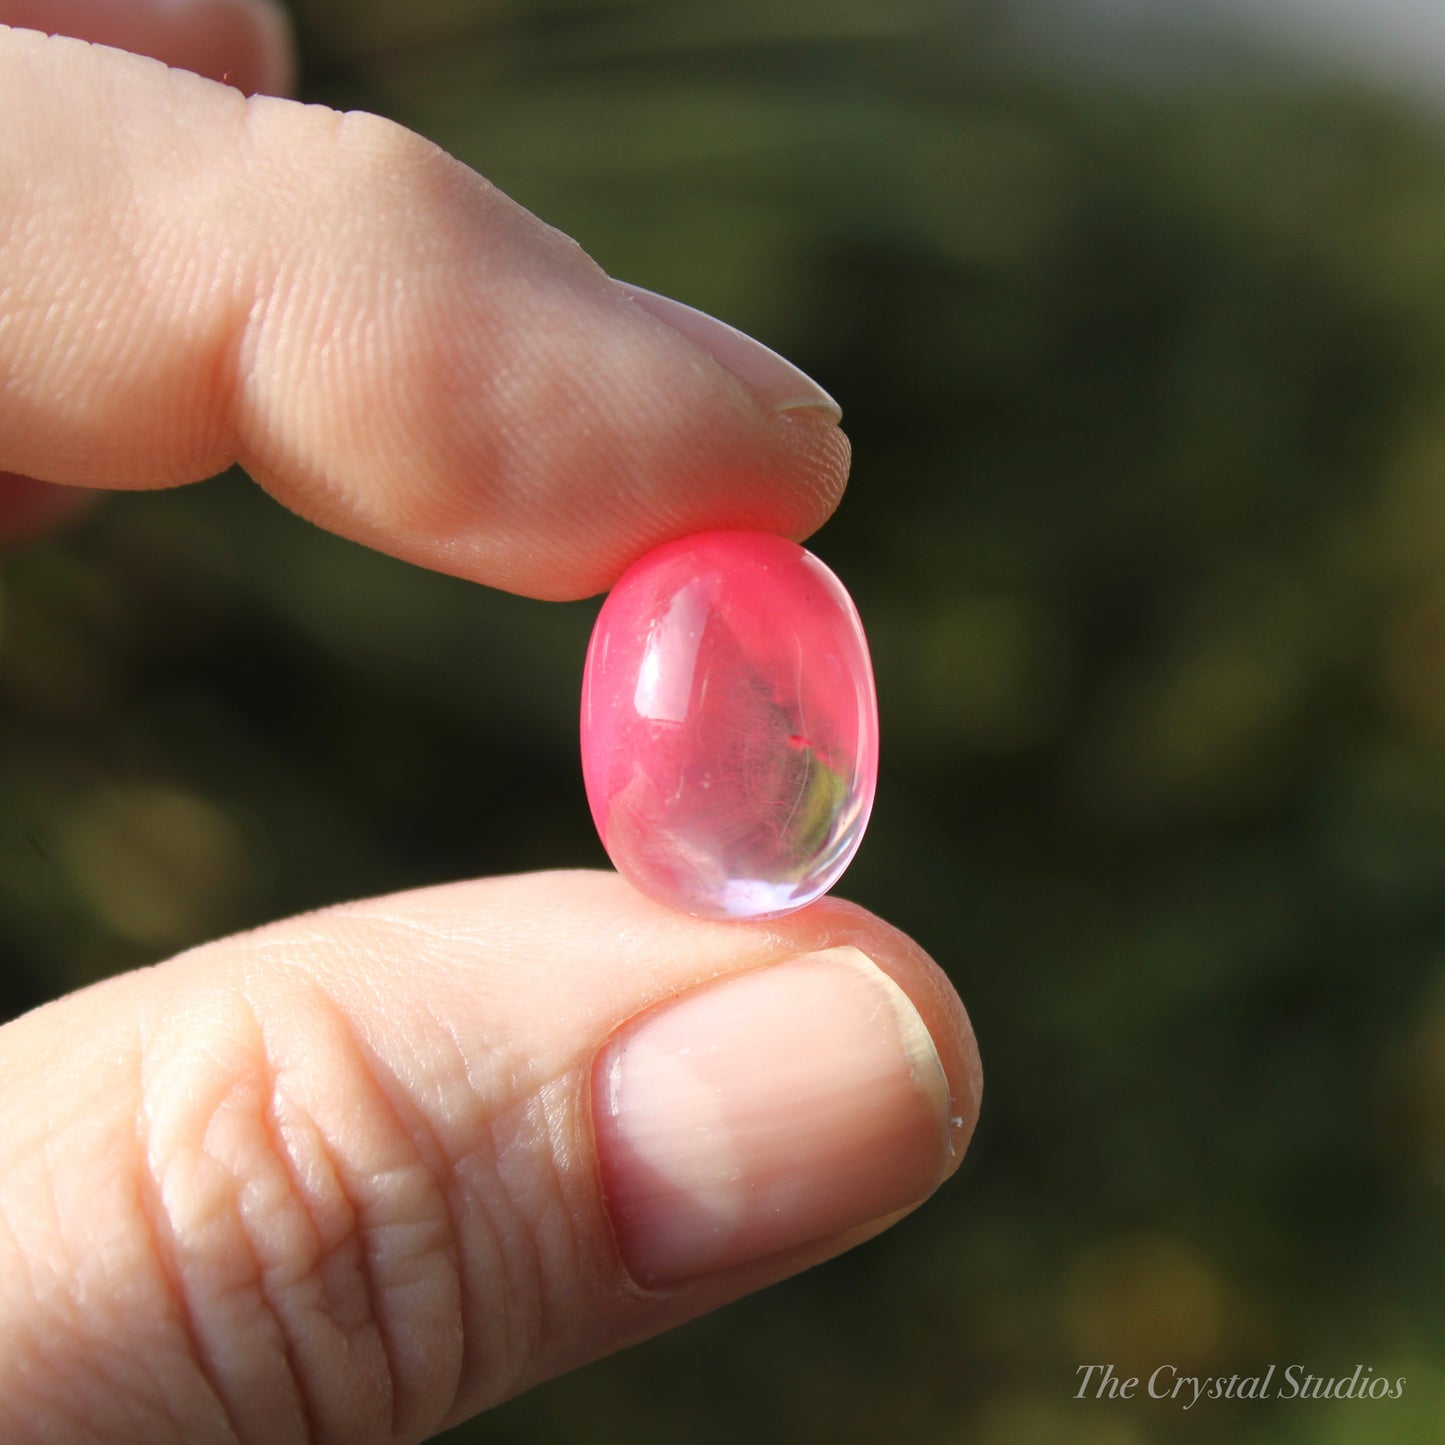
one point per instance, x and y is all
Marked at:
(729, 726)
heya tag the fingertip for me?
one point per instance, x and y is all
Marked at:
(478, 397)
(773, 378)
(768, 1112)
(805, 458)
(932, 993)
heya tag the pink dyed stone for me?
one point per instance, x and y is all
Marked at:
(730, 726)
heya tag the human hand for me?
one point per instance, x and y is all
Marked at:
(361, 1174)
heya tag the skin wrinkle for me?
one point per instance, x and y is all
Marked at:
(72, 1312)
(517, 1322)
(433, 1161)
(470, 1366)
(555, 1109)
(502, 1301)
(523, 1278)
(168, 1240)
(267, 311)
(521, 1310)
(271, 1121)
(353, 1235)
(163, 1244)
(546, 1330)
(316, 1270)
(376, 1312)
(239, 373)
(235, 278)
(352, 1253)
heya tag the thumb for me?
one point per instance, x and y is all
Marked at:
(362, 1174)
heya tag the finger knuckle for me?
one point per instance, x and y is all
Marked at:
(307, 1230)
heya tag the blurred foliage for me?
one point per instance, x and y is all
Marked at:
(1144, 368)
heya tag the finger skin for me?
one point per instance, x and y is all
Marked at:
(338, 1176)
(385, 342)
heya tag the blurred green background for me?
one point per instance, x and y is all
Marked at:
(1143, 356)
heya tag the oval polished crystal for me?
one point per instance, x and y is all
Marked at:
(730, 726)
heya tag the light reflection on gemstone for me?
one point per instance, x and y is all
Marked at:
(664, 681)
(729, 726)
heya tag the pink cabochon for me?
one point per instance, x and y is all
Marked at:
(730, 726)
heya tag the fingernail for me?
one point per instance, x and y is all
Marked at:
(774, 378)
(769, 1111)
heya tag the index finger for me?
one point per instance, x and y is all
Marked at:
(384, 341)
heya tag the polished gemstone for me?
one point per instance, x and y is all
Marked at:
(730, 726)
